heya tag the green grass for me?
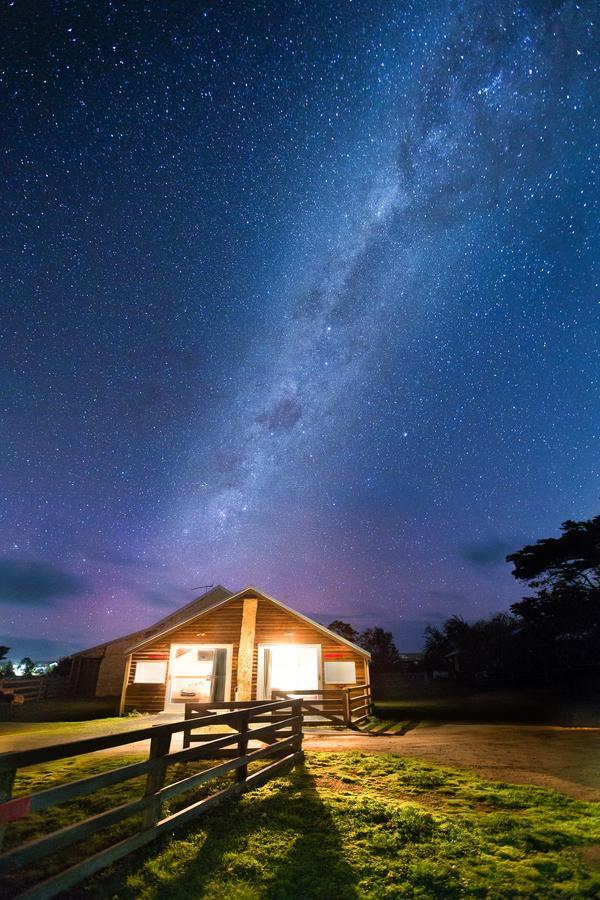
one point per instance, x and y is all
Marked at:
(531, 707)
(71, 730)
(347, 825)
(64, 710)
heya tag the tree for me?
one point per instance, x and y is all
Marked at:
(26, 666)
(344, 630)
(573, 558)
(6, 668)
(473, 650)
(437, 649)
(561, 620)
(63, 666)
(381, 646)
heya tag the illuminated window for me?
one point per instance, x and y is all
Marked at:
(150, 672)
(340, 672)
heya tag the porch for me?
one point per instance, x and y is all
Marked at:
(346, 707)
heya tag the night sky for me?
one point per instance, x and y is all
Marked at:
(298, 294)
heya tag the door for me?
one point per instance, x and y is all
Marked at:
(198, 673)
(288, 667)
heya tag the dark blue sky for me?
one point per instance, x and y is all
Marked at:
(295, 294)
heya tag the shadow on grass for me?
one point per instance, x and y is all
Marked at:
(408, 726)
(282, 846)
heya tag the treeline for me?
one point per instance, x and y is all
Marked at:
(555, 630)
(25, 669)
(379, 642)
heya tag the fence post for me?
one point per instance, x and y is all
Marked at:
(297, 729)
(242, 772)
(346, 705)
(7, 779)
(159, 747)
(186, 733)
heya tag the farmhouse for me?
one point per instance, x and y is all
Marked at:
(220, 647)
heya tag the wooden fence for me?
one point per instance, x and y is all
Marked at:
(38, 687)
(281, 736)
(347, 707)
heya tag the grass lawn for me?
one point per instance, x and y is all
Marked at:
(532, 707)
(344, 825)
(63, 710)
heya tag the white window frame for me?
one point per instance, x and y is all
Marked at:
(175, 707)
(337, 662)
(163, 663)
(273, 645)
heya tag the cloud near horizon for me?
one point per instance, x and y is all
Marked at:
(32, 582)
(488, 552)
(39, 649)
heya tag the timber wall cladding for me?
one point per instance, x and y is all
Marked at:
(276, 626)
(222, 626)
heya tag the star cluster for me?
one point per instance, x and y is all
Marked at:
(301, 295)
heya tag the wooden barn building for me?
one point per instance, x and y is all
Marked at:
(220, 647)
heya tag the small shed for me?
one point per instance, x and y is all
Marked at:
(241, 647)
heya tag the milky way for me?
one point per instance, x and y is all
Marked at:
(301, 297)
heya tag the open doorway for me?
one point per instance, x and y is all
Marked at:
(288, 667)
(198, 673)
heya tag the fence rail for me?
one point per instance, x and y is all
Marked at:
(282, 737)
(347, 707)
(38, 687)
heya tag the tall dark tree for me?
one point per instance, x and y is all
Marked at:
(441, 643)
(381, 646)
(473, 650)
(344, 630)
(562, 617)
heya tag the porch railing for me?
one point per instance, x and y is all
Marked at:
(347, 707)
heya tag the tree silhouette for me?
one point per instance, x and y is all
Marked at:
(27, 666)
(473, 650)
(381, 646)
(344, 630)
(561, 620)
(6, 668)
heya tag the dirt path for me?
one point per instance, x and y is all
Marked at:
(566, 759)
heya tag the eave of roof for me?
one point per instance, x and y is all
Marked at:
(253, 592)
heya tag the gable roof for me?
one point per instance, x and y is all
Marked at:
(253, 592)
(198, 605)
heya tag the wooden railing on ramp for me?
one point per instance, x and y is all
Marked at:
(346, 707)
